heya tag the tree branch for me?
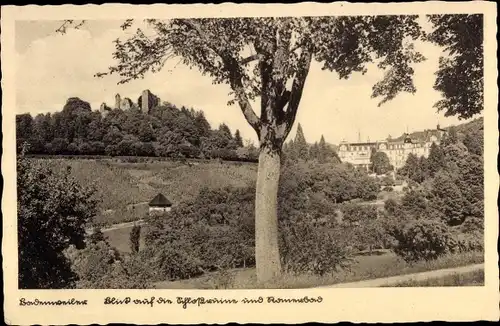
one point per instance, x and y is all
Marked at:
(67, 23)
(296, 93)
(246, 108)
(190, 24)
(251, 58)
(235, 77)
(296, 47)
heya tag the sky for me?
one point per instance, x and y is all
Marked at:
(52, 67)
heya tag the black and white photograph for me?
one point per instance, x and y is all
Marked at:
(260, 152)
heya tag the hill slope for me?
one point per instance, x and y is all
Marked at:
(124, 189)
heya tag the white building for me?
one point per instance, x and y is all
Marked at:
(358, 154)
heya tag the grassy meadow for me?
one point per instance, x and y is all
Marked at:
(120, 238)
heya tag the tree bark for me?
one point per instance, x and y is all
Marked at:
(267, 255)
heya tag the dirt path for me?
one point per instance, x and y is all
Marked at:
(122, 225)
(119, 226)
(408, 277)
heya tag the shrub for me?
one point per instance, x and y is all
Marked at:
(470, 235)
(387, 181)
(100, 266)
(309, 249)
(369, 235)
(355, 213)
(391, 206)
(336, 182)
(470, 241)
(423, 240)
(388, 189)
(172, 261)
(416, 203)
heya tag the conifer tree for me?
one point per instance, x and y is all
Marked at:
(451, 137)
(300, 144)
(224, 129)
(237, 138)
(291, 151)
(314, 152)
(410, 169)
(135, 236)
(324, 151)
(436, 160)
(202, 124)
(380, 163)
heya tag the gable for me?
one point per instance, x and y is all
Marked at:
(160, 201)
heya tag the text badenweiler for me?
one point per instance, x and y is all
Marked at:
(37, 302)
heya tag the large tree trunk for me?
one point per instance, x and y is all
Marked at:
(267, 255)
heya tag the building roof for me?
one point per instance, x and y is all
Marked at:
(160, 201)
(420, 137)
(361, 144)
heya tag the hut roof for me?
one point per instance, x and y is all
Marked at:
(160, 201)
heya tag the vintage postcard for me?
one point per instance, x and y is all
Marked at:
(250, 163)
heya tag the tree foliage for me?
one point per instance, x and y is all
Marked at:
(449, 199)
(411, 167)
(99, 266)
(380, 163)
(335, 183)
(53, 211)
(326, 153)
(436, 160)
(446, 210)
(460, 74)
(319, 152)
(237, 139)
(301, 147)
(135, 236)
(356, 214)
(423, 239)
(166, 131)
(309, 249)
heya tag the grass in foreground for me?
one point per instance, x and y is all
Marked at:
(475, 278)
(366, 268)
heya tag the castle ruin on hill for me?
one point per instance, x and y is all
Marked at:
(145, 103)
